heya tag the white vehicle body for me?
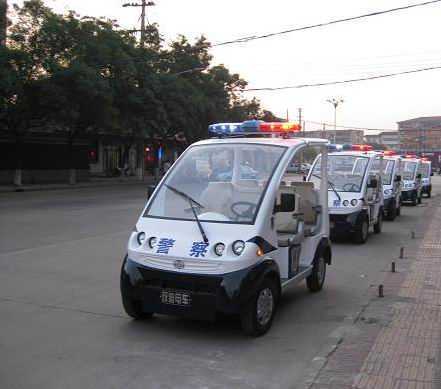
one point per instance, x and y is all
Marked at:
(426, 177)
(412, 186)
(241, 204)
(354, 205)
(391, 185)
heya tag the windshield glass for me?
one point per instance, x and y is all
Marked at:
(388, 168)
(409, 170)
(222, 182)
(424, 170)
(345, 172)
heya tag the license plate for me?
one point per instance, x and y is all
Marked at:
(176, 297)
(337, 203)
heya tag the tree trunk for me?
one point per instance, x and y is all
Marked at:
(18, 173)
(72, 170)
(140, 171)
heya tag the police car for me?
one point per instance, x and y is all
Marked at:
(391, 183)
(229, 227)
(355, 191)
(411, 189)
(426, 175)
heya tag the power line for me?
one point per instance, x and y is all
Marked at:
(323, 24)
(342, 81)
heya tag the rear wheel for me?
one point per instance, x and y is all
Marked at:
(399, 209)
(258, 314)
(392, 211)
(317, 278)
(414, 199)
(378, 226)
(362, 231)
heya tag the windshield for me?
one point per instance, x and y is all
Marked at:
(388, 168)
(424, 170)
(222, 182)
(346, 172)
(409, 170)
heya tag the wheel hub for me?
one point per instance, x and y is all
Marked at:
(265, 306)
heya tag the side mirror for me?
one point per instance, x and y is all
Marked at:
(419, 176)
(373, 183)
(287, 203)
(150, 190)
(398, 178)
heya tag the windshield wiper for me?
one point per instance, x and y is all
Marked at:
(331, 184)
(192, 202)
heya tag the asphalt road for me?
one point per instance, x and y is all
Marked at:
(62, 324)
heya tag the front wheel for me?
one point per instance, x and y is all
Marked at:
(362, 231)
(258, 314)
(134, 309)
(378, 226)
(392, 211)
(419, 198)
(317, 278)
(414, 199)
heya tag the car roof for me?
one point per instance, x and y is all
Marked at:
(356, 153)
(290, 142)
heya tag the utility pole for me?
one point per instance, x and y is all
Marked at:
(144, 4)
(335, 102)
(300, 121)
(3, 22)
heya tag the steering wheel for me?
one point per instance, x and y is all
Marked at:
(248, 212)
(352, 187)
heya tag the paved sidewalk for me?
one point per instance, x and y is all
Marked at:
(92, 183)
(396, 340)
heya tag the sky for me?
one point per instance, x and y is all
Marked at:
(388, 43)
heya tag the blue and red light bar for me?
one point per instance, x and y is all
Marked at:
(252, 126)
(362, 148)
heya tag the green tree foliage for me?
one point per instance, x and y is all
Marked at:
(86, 76)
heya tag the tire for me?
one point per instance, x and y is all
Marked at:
(378, 226)
(255, 321)
(362, 231)
(392, 211)
(429, 194)
(134, 309)
(315, 281)
(399, 210)
(420, 199)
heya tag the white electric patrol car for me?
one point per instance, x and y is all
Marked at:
(411, 188)
(228, 228)
(426, 175)
(355, 192)
(391, 183)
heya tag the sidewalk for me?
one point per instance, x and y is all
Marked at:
(92, 183)
(395, 342)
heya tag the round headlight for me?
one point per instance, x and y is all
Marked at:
(238, 247)
(354, 202)
(219, 249)
(152, 242)
(140, 238)
(346, 203)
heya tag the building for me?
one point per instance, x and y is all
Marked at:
(339, 136)
(422, 136)
(373, 139)
(390, 139)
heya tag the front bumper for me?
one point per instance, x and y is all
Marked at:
(409, 195)
(343, 223)
(210, 294)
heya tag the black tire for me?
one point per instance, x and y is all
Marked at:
(392, 211)
(378, 226)
(361, 231)
(315, 281)
(399, 209)
(429, 194)
(134, 309)
(420, 198)
(253, 323)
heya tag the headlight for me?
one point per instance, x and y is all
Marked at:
(238, 247)
(388, 192)
(354, 202)
(345, 203)
(152, 242)
(140, 238)
(219, 249)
